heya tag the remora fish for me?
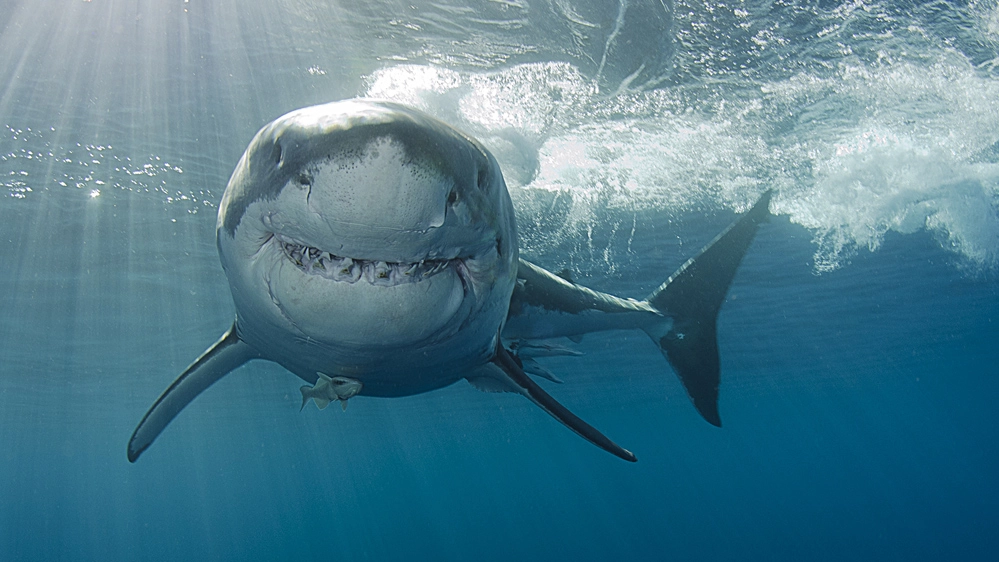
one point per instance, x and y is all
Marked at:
(372, 245)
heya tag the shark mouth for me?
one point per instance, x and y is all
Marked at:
(351, 270)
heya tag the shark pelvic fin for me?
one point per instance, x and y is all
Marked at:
(217, 361)
(516, 377)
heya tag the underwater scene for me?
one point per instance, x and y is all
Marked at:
(839, 160)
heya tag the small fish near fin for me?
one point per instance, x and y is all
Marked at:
(216, 362)
(516, 377)
(316, 392)
(692, 297)
(328, 389)
(321, 401)
(542, 348)
(532, 367)
(525, 352)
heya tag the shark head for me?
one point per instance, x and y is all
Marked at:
(361, 226)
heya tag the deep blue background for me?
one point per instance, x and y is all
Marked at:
(858, 399)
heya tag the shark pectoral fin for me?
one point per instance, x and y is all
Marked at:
(506, 362)
(691, 299)
(218, 360)
(343, 404)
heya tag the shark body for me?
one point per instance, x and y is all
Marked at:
(371, 250)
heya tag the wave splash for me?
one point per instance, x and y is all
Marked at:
(853, 154)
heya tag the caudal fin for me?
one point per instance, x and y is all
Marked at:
(692, 297)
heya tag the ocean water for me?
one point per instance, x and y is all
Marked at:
(858, 341)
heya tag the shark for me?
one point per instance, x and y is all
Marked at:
(371, 250)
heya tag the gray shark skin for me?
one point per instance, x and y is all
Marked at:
(371, 246)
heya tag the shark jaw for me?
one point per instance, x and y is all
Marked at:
(356, 301)
(345, 269)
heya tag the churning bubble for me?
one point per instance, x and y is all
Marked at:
(853, 154)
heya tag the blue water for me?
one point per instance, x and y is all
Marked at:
(858, 341)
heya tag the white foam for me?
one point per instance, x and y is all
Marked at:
(854, 154)
(878, 182)
(897, 148)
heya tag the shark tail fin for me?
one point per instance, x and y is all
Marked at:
(217, 361)
(692, 297)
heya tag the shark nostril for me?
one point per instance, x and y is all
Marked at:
(452, 198)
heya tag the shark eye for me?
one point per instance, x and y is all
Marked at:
(277, 154)
(483, 179)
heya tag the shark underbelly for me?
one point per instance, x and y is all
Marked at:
(384, 370)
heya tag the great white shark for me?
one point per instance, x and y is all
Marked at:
(371, 250)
